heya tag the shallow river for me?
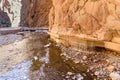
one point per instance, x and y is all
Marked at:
(35, 57)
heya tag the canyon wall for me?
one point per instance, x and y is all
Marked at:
(34, 13)
(96, 19)
(4, 19)
(28, 13)
(12, 10)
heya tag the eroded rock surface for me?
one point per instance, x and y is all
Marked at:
(29, 13)
(34, 13)
(12, 10)
(96, 18)
(4, 19)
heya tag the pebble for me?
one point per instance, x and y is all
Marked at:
(115, 76)
(96, 73)
(63, 54)
(67, 77)
(47, 45)
(35, 57)
(107, 60)
(79, 77)
(84, 57)
(69, 73)
(84, 74)
(110, 68)
(76, 61)
(73, 78)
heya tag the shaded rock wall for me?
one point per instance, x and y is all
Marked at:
(29, 13)
(98, 19)
(34, 13)
(4, 19)
(12, 9)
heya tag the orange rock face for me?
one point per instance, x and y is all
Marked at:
(96, 18)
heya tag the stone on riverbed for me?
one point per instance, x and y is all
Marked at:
(115, 76)
(110, 68)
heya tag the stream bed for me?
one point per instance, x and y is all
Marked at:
(32, 56)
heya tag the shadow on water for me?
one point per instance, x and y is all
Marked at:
(46, 63)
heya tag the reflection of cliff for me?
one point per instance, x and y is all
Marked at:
(4, 19)
(34, 13)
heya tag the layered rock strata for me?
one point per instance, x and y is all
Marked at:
(96, 20)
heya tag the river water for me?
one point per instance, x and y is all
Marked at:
(35, 57)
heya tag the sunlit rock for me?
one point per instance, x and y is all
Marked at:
(110, 68)
(115, 76)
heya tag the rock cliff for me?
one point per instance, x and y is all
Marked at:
(92, 19)
(98, 19)
(12, 10)
(4, 19)
(29, 13)
(34, 13)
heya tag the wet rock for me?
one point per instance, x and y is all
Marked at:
(76, 61)
(35, 58)
(69, 73)
(47, 45)
(84, 57)
(110, 68)
(107, 61)
(79, 77)
(67, 77)
(84, 74)
(63, 54)
(73, 77)
(115, 76)
(96, 73)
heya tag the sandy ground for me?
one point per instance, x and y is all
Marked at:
(9, 38)
(12, 51)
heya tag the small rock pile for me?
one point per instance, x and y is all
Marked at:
(101, 64)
